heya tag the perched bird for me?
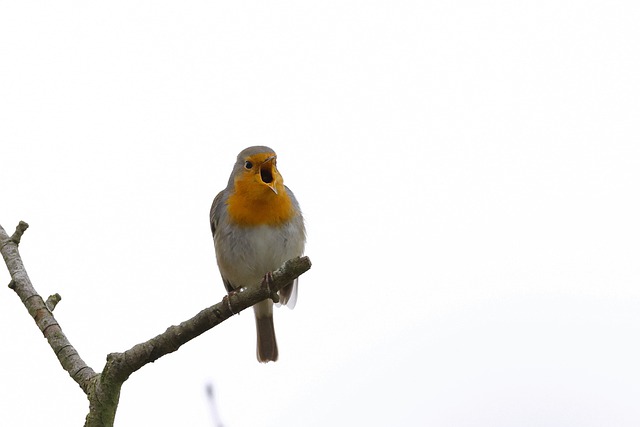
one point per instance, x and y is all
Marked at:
(257, 225)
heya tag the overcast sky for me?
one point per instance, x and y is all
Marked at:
(469, 173)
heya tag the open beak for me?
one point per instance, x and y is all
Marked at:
(268, 173)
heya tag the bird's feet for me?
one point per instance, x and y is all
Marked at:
(267, 282)
(228, 298)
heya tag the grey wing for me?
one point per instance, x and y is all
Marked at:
(214, 218)
(214, 213)
(227, 285)
(289, 294)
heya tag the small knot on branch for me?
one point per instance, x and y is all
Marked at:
(52, 301)
(20, 229)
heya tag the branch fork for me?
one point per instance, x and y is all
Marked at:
(103, 389)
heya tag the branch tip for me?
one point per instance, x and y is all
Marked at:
(52, 301)
(20, 229)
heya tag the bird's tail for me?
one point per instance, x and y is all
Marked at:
(267, 349)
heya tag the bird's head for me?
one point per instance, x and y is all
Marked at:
(255, 174)
(258, 194)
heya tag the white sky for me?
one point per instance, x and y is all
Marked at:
(469, 173)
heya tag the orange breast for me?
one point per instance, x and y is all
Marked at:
(252, 204)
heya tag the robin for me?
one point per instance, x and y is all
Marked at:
(257, 225)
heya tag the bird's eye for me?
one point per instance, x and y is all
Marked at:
(248, 165)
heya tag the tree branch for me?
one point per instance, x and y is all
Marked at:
(175, 336)
(47, 323)
(103, 390)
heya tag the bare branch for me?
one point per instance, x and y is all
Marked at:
(103, 390)
(175, 336)
(104, 396)
(47, 323)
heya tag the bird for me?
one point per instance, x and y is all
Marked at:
(257, 225)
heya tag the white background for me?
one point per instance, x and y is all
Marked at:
(469, 174)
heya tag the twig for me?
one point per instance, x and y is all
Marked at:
(20, 229)
(52, 301)
(47, 323)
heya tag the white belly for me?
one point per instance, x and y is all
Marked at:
(245, 255)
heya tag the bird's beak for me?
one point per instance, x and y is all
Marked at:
(268, 173)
